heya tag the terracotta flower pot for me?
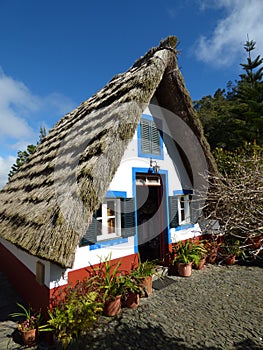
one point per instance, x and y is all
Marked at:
(184, 270)
(212, 256)
(201, 263)
(29, 337)
(112, 307)
(230, 260)
(147, 286)
(254, 242)
(132, 300)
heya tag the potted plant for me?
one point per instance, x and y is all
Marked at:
(130, 290)
(185, 257)
(212, 247)
(230, 250)
(29, 326)
(73, 312)
(200, 249)
(110, 285)
(254, 241)
(143, 273)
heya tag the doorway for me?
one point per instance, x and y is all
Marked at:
(151, 215)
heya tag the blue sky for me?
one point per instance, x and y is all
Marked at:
(57, 53)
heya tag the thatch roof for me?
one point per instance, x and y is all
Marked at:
(48, 204)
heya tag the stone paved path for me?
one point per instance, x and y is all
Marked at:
(218, 308)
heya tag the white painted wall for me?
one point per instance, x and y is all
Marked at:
(180, 235)
(28, 260)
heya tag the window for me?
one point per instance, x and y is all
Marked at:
(115, 219)
(183, 209)
(109, 219)
(179, 208)
(149, 139)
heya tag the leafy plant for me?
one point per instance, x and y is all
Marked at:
(186, 253)
(110, 279)
(200, 248)
(232, 247)
(105, 278)
(75, 314)
(143, 269)
(129, 284)
(32, 319)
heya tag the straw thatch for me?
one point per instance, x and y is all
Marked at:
(48, 204)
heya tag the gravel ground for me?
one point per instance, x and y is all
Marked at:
(218, 307)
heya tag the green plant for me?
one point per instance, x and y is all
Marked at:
(32, 319)
(75, 314)
(129, 284)
(200, 248)
(143, 269)
(108, 279)
(232, 247)
(186, 253)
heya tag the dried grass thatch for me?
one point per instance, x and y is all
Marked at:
(48, 204)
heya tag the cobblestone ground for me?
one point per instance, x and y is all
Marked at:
(216, 308)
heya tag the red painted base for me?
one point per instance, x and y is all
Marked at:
(38, 296)
(23, 280)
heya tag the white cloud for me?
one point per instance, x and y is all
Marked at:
(5, 166)
(225, 44)
(21, 115)
(15, 102)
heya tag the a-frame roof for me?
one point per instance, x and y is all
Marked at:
(48, 204)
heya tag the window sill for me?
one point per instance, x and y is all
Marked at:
(184, 227)
(108, 243)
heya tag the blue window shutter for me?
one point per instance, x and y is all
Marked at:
(155, 140)
(150, 137)
(173, 211)
(90, 236)
(127, 217)
(145, 136)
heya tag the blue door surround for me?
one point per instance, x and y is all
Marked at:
(164, 176)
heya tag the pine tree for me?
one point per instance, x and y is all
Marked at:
(232, 118)
(252, 77)
(249, 96)
(22, 156)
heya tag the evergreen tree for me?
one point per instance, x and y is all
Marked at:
(249, 96)
(22, 156)
(218, 121)
(231, 119)
(252, 77)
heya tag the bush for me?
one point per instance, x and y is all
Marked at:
(75, 310)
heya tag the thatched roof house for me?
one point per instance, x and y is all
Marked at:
(81, 149)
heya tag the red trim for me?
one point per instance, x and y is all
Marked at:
(127, 262)
(23, 280)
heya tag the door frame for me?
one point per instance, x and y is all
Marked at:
(165, 234)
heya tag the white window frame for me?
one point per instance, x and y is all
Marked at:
(184, 216)
(103, 220)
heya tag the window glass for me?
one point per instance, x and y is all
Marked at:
(184, 209)
(109, 219)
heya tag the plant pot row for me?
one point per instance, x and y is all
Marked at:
(113, 306)
(223, 250)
